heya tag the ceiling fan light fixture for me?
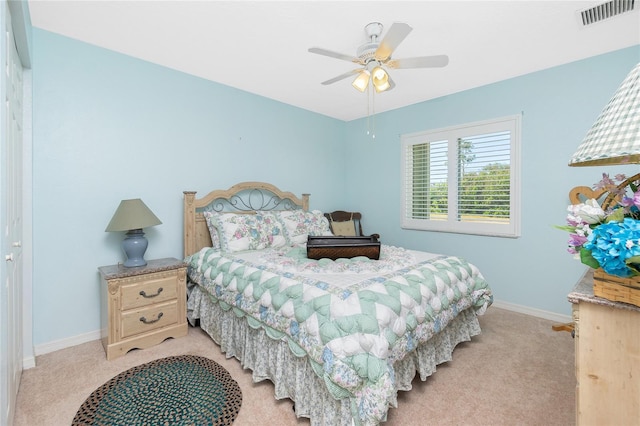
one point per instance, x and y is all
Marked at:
(375, 57)
(380, 79)
(362, 80)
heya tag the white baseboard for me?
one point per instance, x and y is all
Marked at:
(551, 316)
(28, 362)
(56, 345)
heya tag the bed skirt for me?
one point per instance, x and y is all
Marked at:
(294, 378)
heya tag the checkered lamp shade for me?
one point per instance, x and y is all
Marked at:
(615, 136)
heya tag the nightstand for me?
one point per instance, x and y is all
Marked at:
(142, 306)
(607, 357)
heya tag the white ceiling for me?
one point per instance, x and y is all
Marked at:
(261, 46)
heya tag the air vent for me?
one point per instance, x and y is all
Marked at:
(606, 10)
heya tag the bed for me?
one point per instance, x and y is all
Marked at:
(339, 338)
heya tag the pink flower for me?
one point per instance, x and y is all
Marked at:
(606, 182)
(631, 201)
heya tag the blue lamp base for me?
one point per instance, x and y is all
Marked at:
(134, 246)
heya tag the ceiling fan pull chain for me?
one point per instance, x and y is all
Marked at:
(373, 113)
(368, 111)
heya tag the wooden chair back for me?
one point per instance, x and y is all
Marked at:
(344, 216)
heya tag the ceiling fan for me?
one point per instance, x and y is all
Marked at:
(374, 56)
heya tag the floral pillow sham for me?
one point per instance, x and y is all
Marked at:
(298, 224)
(272, 229)
(239, 232)
(233, 232)
(213, 231)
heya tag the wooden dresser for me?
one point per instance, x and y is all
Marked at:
(607, 339)
(142, 306)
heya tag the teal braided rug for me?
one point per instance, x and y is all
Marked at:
(178, 390)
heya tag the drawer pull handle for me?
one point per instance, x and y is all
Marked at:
(146, 321)
(144, 294)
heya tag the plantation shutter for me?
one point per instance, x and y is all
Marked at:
(426, 180)
(463, 178)
(484, 177)
(420, 181)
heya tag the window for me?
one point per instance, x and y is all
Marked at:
(463, 179)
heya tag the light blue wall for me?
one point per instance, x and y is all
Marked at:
(558, 105)
(97, 113)
(109, 127)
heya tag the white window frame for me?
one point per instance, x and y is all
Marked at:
(451, 135)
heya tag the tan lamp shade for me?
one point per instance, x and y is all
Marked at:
(615, 136)
(132, 214)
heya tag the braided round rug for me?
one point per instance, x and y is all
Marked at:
(178, 390)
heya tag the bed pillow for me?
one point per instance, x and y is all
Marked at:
(239, 232)
(271, 229)
(213, 231)
(299, 224)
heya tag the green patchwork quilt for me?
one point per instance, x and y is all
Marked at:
(352, 334)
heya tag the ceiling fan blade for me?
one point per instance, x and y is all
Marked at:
(342, 76)
(391, 40)
(336, 55)
(436, 61)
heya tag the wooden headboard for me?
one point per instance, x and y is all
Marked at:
(245, 197)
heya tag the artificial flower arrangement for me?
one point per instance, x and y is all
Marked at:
(608, 238)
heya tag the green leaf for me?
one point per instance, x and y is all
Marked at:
(633, 259)
(588, 259)
(616, 216)
(634, 265)
(565, 228)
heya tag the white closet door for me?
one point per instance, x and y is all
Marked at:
(12, 225)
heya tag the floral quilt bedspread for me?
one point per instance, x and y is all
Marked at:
(353, 335)
(294, 259)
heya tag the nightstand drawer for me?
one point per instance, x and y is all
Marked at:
(149, 289)
(148, 319)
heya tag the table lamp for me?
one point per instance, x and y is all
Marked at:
(615, 136)
(132, 216)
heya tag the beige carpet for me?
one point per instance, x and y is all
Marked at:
(518, 372)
